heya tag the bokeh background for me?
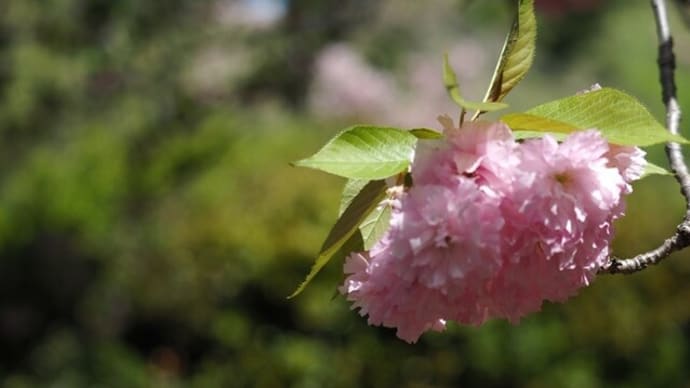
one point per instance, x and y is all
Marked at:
(151, 226)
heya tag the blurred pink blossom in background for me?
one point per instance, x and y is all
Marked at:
(346, 86)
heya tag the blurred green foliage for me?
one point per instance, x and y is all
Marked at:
(151, 228)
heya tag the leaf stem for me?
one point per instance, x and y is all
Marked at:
(680, 239)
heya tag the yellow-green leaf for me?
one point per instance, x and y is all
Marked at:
(426, 133)
(350, 190)
(348, 224)
(653, 169)
(376, 223)
(517, 54)
(450, 81)
(526, 122)
(619, 117)
(364, 152)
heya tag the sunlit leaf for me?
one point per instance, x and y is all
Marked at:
(426, 133)
(350, 191)
(450, 81)
(653, 169)
(517, 54)
(526, 121)
(620, 118)
(364, 152)
(359, 209)
(375, 225)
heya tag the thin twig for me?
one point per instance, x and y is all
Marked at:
(681, 239)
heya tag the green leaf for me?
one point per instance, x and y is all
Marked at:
(361, 206)
(426, 133)
(653, 169)
(350, 191)
(364, 152)
(620, 118)
(450, 81)
(375, 225)
(517, 54)
(526, 121)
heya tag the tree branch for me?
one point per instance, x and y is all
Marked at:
(681, 239)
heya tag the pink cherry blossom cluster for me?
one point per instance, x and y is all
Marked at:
(492, 228)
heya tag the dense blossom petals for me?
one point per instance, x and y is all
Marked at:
(442, 246)
(629, 161)
(492, 228)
